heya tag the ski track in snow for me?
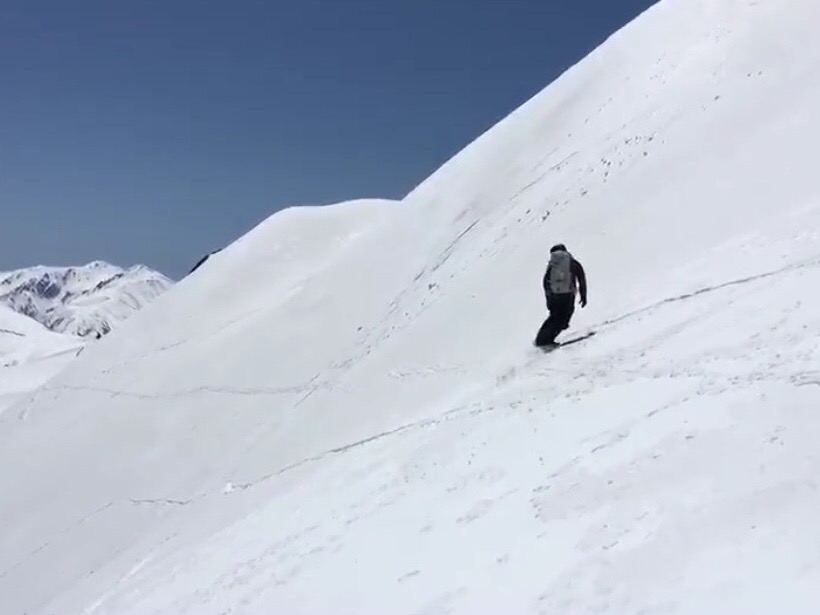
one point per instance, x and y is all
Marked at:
(710, 383)
(434, 370)
(475, 409)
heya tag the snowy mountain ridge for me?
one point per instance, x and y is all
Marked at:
(30, 355)
(85, 301)
(358, 423)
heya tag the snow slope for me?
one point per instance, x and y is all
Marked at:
(359, 424)
(85, 301)
(30, 354)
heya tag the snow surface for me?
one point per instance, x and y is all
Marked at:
(30, 354)
(357, 423)
(85, 301)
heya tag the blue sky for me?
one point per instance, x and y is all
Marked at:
(154, 131)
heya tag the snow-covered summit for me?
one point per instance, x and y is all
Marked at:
(85, 301)
(357, 423)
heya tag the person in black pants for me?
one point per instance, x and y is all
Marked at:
(564, 278)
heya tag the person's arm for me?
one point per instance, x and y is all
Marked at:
(581, 276)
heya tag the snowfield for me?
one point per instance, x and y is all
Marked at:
(342, 412)
(30, 354)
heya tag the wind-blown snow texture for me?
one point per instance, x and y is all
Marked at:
(84, 301)
(358, 422)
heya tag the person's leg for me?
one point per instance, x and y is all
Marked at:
(558, 306)
(568, 311)
(547, 332)
(563, 307)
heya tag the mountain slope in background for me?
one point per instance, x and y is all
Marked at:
(358, 423)
(30, 354)
(84, 301)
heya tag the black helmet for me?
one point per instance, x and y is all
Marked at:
(557, 247)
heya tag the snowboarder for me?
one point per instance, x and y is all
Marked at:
(564, 277)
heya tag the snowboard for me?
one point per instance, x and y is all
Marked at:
(573, 340)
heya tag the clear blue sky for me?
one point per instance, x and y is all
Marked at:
(154, 131)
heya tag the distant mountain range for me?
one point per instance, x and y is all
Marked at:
(87, 301)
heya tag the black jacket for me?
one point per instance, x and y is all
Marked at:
(579, 280)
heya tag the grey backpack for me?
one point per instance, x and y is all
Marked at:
(561, 281)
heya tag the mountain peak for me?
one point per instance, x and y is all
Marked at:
(85, 300)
